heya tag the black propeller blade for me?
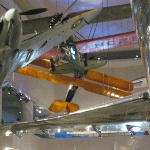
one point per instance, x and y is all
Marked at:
(4, 7)
(34, 11)
(71, 93)
(29, 12)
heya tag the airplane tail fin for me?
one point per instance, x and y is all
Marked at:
(69, 9)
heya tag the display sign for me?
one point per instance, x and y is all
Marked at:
(106, 43)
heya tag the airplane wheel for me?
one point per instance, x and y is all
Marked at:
(146, 96)
(85, 60)
(52, 64)
(85, 63)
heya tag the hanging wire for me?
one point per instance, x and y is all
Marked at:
(77, 37)
(94, 30)
(56, 6)
(90, 31)
(81, 36)
(68, 3)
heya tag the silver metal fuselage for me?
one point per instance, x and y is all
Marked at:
(141, 12)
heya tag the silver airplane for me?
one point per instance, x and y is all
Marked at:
(133, 108)
(15, 53)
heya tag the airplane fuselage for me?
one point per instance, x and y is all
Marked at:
(16, 54)
(73, 57)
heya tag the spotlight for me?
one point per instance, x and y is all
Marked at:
(10, 89)
(20, 96)
(26, 99)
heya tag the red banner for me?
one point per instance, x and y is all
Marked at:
(98, 44)
(106, 43)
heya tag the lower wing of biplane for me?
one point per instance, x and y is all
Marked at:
(103, 84)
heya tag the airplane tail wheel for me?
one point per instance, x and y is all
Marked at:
(52, 64)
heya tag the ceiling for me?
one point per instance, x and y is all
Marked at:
(91, 31)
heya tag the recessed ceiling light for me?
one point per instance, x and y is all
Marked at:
(136, 56)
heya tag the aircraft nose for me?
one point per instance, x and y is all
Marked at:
(12, 14)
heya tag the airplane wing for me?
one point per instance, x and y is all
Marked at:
(114, 91)
(66, 68)
(131, 108)
(107, 14)
(37, 45)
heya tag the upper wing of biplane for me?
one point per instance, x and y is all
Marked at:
(109, 85)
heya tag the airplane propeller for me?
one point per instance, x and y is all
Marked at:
(71, 93)
(29, 12)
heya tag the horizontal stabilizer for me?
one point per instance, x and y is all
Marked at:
(63, 69)
(93, 64)
(66, 68)
(69, 9)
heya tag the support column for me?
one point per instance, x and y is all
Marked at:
(1, 106)
(27, 111)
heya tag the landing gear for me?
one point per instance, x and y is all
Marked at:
(52, 65)
(85, 60)
(97, 129)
